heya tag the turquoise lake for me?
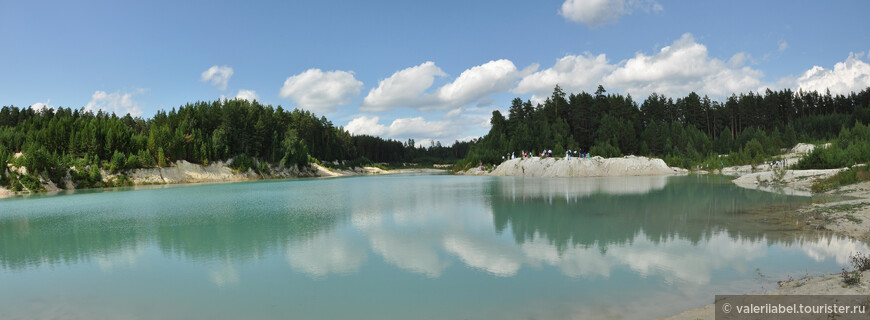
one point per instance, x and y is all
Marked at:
(403, 247)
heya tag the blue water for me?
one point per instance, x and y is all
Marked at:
(405, 246)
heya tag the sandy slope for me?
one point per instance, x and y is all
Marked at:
(186, 172)
(793, 182)
(576, 167)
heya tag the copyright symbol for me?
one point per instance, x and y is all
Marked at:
(726, 307)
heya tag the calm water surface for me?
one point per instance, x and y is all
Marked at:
(402, 247)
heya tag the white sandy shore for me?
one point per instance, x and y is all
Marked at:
(822, 285)
(186, 172)
(791, 158)
(849, 217)
(793, 182)
(577, 167)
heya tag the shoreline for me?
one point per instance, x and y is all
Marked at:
(847, 215)
(183, 172)
(579, 167)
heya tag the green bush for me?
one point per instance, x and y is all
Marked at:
(38, 160)
(264, 168)
(87, 177)
(118, 162)
(146, 160)
(161, 158)
(242, 163)
(31, 182)
(605, 150)
(132, 162)
(15, 185)
(846, 177)
(118, 181)
(358, 162)
(755, 151)
(852, 146)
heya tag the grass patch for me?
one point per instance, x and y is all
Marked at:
(852, 218)
(843, 178)
(118, 181)
(825, 215)
(851, 207)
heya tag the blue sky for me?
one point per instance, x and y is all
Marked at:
(422, 70)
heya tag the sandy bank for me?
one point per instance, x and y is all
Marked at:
(792, 182)
(5, 193)
(791, 158)
(185, 172)
(848, 215)
(325, 172)
(822, 285)
(576, 167)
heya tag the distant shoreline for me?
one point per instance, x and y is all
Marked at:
(183, 172)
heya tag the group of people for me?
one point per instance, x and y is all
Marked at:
(548, 153)
(577, 154)
(779, 164)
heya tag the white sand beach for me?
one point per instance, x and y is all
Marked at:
(580, 167)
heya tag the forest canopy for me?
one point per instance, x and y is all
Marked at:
(688, 131)
(203, 132)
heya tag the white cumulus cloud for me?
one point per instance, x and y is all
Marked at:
(39, 106)
(116, 102)
(219, 76)
(853, 74)
(574, 73)
(478, 82)
(595, 13)
(680, 68)
(249, 95)
(405, 88)
(366, 126)
(408, 87)
(325, 254)
(738, 60)
(400, 128)
(319, 91)
(675, 70)
(421, 130)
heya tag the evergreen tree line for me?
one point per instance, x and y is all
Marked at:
(54, 141)
(688, 131)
